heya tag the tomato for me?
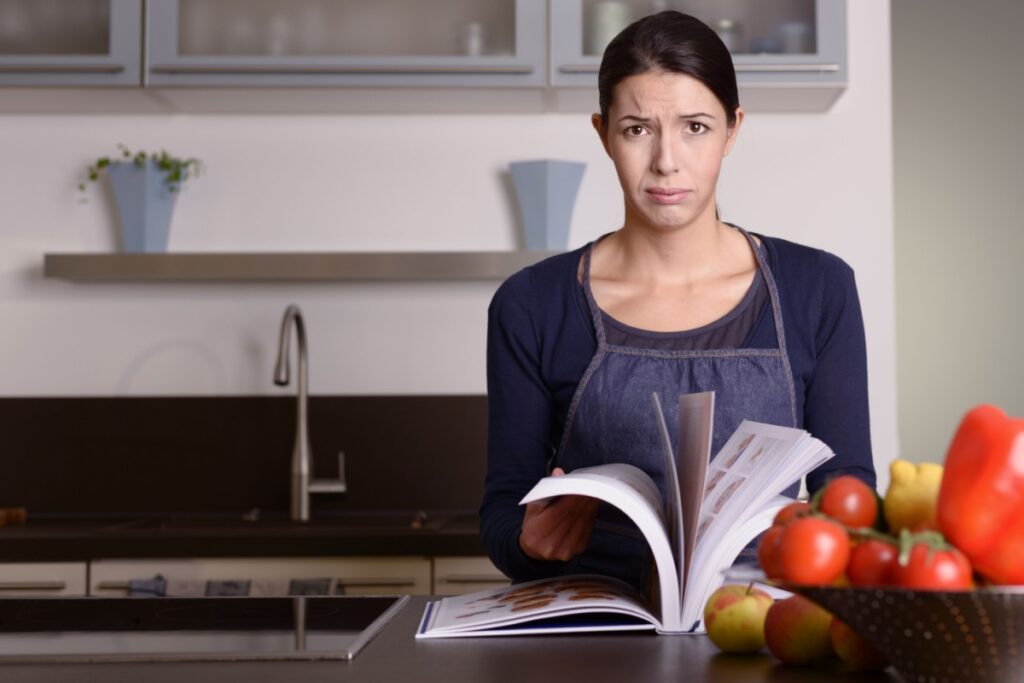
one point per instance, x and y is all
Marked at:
(813, 551)
(871, 563)
(768, 552)
(850, 502)
(792, 511)
(929, 568)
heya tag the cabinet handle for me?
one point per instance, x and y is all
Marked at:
(61, 68)
(781, 68)
(579, 68)
(473, 578)
(33, 585)
(744, 68)
(341, 70)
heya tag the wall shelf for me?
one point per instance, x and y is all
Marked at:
(289, 266)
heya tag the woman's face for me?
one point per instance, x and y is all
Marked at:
(667, 134)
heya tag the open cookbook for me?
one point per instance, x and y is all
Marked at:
(715, 507)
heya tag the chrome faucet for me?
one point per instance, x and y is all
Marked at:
(302, 482)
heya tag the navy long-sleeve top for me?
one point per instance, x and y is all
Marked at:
(540, 340)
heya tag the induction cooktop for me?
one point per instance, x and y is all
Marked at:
(190, 629)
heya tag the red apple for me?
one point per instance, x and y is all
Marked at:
(734, 617)
(797, 631)
(856, 652)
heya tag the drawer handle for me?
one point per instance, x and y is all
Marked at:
(341, 70)
(474, 578)
(113, 586)
(33, 585)
(61, 68)
(375, 581)
(353, 582)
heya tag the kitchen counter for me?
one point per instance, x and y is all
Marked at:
(363, 533)
(395, 655)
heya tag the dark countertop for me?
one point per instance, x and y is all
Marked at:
(349, 534)
(395, 655)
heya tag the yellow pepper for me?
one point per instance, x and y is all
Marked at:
(913, 495)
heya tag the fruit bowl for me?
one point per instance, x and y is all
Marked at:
(936, 636)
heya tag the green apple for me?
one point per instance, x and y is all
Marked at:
(797, 631)
(734, 617)
(856, 652)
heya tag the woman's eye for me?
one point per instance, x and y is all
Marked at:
(634, 131)
(696, 128)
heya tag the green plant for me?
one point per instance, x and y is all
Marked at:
(176, 170)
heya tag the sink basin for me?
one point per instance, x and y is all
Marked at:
(161, 629)
(345, 522)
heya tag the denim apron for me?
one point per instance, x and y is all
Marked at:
(610, 420)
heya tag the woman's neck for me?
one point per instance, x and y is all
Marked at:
(678, 256)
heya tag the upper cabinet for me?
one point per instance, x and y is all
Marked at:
(790, 55)
(787, 53)
(480, 43)
(70, 42)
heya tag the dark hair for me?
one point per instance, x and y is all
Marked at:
(669, 41)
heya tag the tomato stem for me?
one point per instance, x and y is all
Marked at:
(934, 540)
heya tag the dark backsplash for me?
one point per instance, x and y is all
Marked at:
(229, 455)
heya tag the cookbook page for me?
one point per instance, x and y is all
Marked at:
(673, 505)
(536, 601)
(632, 491)
(696, 425)
(745, 472)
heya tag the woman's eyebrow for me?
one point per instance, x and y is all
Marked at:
(643, 119)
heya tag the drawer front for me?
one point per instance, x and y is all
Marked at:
(42, 579)
(458, 575)
(347, 576)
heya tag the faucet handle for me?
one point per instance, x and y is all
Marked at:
(331, 485)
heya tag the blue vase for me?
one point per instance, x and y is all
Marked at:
(144, 205)
(546, 190)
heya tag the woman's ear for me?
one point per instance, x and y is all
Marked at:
(602, 132)
(734, 131)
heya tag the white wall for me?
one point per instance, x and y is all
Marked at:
(402, 182)
(959, 160)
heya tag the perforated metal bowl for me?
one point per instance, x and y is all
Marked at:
(936, 636)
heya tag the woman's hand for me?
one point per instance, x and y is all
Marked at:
(558, 529)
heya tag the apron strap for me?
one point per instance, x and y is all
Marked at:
(780, 332)
(595, 312)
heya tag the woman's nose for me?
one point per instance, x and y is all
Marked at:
(666, 161)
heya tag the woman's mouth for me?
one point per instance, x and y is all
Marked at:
(668, 195)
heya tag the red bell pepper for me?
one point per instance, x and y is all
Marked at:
(981, 501)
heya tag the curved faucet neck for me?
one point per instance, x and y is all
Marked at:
(292, 318)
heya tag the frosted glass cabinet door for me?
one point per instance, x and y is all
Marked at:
(70, 42)
(784, 45)
(346, 42)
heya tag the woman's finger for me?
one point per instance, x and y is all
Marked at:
(578, 538)
(551, 532)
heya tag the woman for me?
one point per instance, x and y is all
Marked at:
(675, 301)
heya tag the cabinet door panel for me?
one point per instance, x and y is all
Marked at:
(70, 42)
(788, 54)
(347, 42)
